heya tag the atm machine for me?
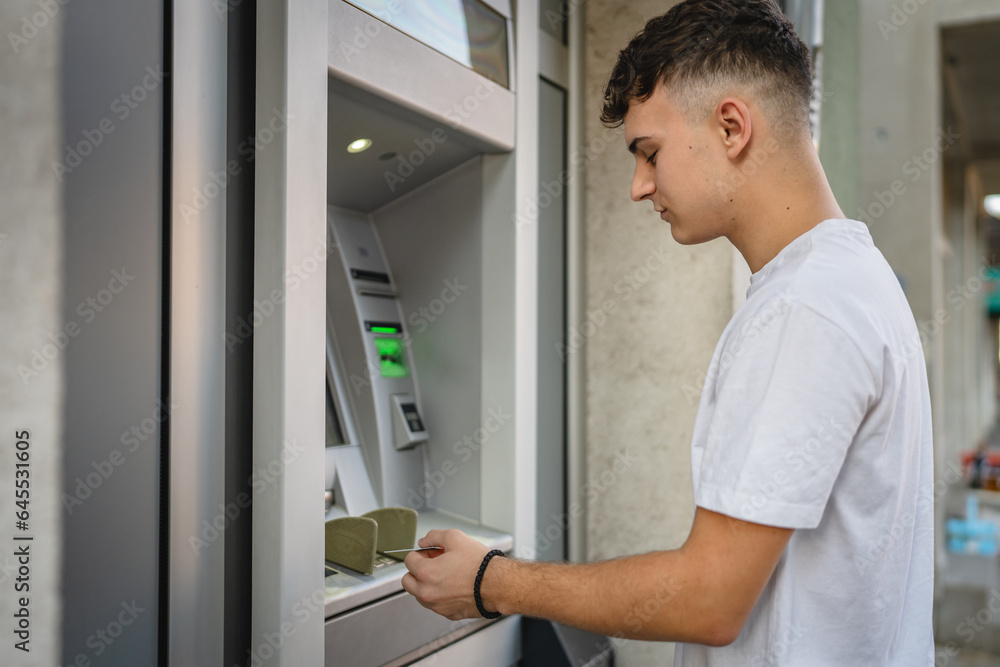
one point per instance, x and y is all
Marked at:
(398, 149)
(409, 293)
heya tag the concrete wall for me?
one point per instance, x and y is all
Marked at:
(898, 117)
(30, 303)
(658, 309)
(838, 148)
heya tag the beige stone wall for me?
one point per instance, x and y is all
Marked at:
(30, 302)
(666, 306)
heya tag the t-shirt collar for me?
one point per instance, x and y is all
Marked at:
(798, 244)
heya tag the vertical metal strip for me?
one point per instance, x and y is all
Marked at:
(576, 293)
(196, 464)
(525, 469)
(163, 594)
(240, 118)
(289, 347)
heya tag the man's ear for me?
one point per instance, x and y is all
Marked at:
(732, 117)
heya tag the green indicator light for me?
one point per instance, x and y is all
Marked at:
(390, 354)
(386, 330)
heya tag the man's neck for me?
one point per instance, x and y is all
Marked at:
(782, 211)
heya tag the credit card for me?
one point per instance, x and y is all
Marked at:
(399, 551)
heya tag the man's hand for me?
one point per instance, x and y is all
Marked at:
(701, 593)
(443, 581)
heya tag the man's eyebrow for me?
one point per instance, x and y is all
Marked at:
(634, 146)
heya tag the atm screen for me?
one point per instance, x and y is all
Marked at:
(390, 354)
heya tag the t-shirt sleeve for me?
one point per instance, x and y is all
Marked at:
(791, 393)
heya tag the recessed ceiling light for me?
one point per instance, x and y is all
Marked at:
(359, 145)
(992, 205)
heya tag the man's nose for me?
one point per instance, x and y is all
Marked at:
(642, 183)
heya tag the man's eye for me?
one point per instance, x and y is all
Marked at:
(652, 158)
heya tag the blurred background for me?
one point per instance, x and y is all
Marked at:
(166, 165)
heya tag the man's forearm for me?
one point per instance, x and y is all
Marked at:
(656, 596)
(701, 593)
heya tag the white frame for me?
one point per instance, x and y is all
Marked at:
(289, 392)
(197, 306)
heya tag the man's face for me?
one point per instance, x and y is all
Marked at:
(677, 168)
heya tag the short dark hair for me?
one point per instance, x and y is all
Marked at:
(700, 43)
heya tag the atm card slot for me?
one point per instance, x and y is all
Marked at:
(371, 276)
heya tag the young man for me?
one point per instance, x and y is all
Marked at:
(812, 541)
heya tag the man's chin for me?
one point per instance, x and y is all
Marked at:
(684, 237)
(679, 234)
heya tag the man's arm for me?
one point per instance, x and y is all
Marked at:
(701, 593)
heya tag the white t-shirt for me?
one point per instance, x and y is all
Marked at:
(816, 415)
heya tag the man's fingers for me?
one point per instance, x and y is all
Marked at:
(414, 561)
(434, 538)
(431, 553)
(410, 584)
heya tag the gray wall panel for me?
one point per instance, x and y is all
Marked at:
(112, 48)
(432, 239)
(553, 521)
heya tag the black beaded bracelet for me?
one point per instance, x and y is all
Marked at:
(479, 581)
